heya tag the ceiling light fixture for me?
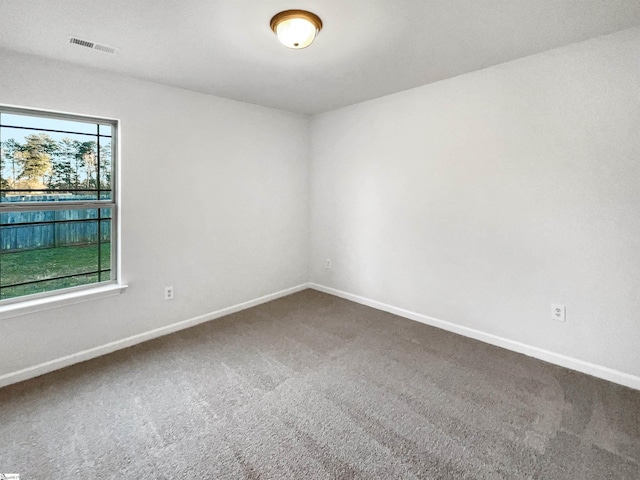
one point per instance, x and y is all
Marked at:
(296, 28)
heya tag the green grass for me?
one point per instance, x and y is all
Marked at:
(43, 264)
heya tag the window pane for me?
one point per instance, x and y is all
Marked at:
(35, 163)
(105, 245)
(105, 130)
(103, 171)
(47, 123)
(48, 250)
(47, 286)
(44, 166)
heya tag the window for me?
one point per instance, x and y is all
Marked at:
(57, 203)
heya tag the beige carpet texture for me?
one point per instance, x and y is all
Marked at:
(312, 386)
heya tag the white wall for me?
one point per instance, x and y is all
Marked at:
(483, 199)
(214, 202)
(478, 200)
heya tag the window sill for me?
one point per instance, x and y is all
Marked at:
(57, 301)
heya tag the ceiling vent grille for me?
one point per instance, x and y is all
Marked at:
(82, 43)
(104, 48)
(92, 45)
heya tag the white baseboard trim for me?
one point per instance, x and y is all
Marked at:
(58, 363)
(599, 371)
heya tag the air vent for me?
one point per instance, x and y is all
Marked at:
(92, 45)
(82, 43)
(104, 48)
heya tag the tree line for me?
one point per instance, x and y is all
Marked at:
(43, 164)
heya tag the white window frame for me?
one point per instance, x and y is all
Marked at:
(66, 296)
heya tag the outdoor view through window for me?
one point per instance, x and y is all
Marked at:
(57, 202)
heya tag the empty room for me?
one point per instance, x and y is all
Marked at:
(320, 239)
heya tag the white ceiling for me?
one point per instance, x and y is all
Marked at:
(367, 48)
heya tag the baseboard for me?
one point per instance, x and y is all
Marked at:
(58, 363)
(599, 371)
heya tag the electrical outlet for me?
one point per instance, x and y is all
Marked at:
(327, 263)
(558, 312)
(168, 293)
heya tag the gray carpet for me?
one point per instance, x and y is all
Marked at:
(313, 387)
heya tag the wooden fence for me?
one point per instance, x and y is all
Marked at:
(52, 228)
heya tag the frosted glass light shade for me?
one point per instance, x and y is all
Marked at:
(296, 28)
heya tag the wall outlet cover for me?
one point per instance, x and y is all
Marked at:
(168, 293)
(558, 312)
